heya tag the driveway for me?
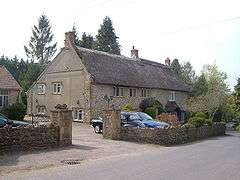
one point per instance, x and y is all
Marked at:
(86, 146)
(217, 158)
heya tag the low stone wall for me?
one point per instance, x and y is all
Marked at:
(28, 138)
(177, 135)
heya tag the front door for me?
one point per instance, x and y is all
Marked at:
(77, 114)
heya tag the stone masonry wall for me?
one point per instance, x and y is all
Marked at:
(178, 135)
(28, 138)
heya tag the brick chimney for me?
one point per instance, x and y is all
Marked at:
(69, 39)
(134, 53)
(167, 61)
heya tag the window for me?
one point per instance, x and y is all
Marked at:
(41, 109)
(117, 91)
(57, 88)
(41, 88)
(3, 98)
(132, 92)
(143, 93)
(172, 96)
(77, 114)
(148, 92)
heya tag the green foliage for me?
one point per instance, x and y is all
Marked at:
(201, 115)
(200, 87)
(151, 111)
(40, 47)
(188, 74)
(196, 121)
(176, 67)
(15, 111)
(106, 39)
(87, 41)
(209, 122)
(77, 40)
(151, 102)
(237, 100)
(238, 128)
(127, 107)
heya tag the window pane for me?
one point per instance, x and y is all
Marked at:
(1, 100)
(117, 91)
(130, 92)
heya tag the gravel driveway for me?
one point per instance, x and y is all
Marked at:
(86, 146)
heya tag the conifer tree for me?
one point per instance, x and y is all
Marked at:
(87, 41)
(176, 67)
(106, 39)
(41, 46)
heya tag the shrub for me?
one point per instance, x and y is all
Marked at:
(196, 121)
(127, 107)
(151, 111)
(15, 111)
(151, 102)
(201, 115)
(238, 128)
(209, 122)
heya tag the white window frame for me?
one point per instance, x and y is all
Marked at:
(132, 92)
(172, 96)
(41, 87)
(118, 91)
(4, 98)
(76, 113)
(143, 93)
(57, 88)
(148, 92)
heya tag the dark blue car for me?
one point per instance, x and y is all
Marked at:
(4, 121)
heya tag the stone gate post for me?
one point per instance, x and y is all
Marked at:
(112, 124)
(63, 119)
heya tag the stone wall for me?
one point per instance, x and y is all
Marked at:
(28, 138)
(178, 135)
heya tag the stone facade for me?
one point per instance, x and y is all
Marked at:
(12, 96)
(98, 104)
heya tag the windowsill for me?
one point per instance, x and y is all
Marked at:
(56, 93)
(172, 100)
(118, 96)
(41, 93)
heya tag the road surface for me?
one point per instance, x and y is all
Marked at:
(217, 158)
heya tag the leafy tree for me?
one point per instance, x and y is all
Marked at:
(87, 41)
(200, 87)
(188, 74)
(106, 39)
(41, 47)
(237, 99)
(176, 67)
(77, 40)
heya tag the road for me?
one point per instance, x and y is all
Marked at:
(217, 158)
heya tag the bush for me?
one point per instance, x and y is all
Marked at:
(151, 111)
(15, 111)
(201, 115)
(196, 121)
(238, 128)
(151, 102)
(209, 122)
(127, 107)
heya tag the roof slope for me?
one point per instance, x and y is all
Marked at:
(7, 81)
(120, 70)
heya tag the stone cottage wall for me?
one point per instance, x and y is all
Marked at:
(28, 138)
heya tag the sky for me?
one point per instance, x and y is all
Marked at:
(202, 32)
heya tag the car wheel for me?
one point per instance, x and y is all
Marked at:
(97, 129)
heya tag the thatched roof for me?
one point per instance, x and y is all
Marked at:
(123, 71)
(7, 81)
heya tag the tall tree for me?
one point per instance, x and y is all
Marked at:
(188, 74)
(106, 39)
(237, 99)
(200, 87)
(87, 41)
(77, 40)
(41, 46)
(176, 67)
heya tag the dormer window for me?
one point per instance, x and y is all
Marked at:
(172, 96)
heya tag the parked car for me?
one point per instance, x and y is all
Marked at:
(128, 119)
(4, 121)
(132, 119)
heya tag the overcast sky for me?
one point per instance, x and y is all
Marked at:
(202, 32)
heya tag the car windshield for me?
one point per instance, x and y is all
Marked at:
(144, 116)
(3, 119)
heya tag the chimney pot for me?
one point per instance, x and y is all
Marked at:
(69, 39)
(134, 53)
(167, 61)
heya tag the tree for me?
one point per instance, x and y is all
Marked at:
(200, 87)
(106, 39)
(176, 67)
(237, 99)
(77, 40)
(41, 47)
(188, 75)
(87, 41)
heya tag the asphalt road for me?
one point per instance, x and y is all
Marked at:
(213, 159)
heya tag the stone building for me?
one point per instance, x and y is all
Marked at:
(9, 88)
(84, 79)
